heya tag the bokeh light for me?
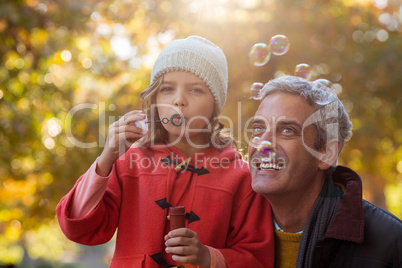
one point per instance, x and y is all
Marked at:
(86, 63)
(66, 55)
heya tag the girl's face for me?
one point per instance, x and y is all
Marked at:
(186, 94)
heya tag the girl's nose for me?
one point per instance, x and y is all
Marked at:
(180, 100)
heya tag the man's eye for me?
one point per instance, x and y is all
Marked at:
(258, 130)
(288, 131)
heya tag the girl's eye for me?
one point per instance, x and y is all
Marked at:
(166, 89)
(197, 90)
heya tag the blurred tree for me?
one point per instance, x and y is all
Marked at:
(70, 68)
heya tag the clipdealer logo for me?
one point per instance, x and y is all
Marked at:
(243, 131)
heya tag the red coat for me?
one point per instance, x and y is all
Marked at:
(215, 189)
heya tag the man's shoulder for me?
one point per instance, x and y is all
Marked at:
(380, 214)
(380, 222)
(381, 245)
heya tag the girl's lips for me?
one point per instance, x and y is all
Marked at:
(178, 120)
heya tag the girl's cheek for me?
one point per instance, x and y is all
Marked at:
(161, 111)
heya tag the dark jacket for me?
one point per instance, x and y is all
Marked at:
(361, 234)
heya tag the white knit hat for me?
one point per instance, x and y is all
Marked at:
(200, 57)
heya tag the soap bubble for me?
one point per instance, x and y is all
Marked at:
(256, 91)
(323, 96)
(279, 45)
(257, 86)
(267, 151)
(255, 142)
(302, 70)
(259, 54)
(322, 81)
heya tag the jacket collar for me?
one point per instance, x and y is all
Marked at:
(348, 223)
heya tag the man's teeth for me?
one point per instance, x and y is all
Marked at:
(271, 166)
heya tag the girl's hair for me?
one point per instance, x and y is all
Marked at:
(217, 137)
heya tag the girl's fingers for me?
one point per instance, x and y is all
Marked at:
(129, 137)
(133, 129)
(128, 130)
(184, 246)
(183, 259)
(132, 113)
(181, 237)
(180, 232)
(134, 118)
(124, 134)
(179, 250)
(184, 254)
(178, 241)
(131, 116)
(132, 136)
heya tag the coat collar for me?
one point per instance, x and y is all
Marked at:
(348, 223)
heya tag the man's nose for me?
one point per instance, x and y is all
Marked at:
(269, 135)
(263, 135)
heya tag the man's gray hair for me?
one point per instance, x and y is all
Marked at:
(299, 86)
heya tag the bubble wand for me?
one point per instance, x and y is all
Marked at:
(176, 120)
(177, 218)
(166, 120)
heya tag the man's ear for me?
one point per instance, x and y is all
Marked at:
(330, 154)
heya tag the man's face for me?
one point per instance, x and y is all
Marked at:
(279, 119)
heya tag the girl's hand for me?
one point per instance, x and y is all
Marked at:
(121, 135)
(185, 247)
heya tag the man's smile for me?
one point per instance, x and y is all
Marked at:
(270, 166)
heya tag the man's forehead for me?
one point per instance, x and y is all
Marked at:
(275, 120)
(282, 106)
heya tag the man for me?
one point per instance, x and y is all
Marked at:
(319, 215)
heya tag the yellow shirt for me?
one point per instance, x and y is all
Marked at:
(286, 248)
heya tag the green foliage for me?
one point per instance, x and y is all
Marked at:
(58, 55)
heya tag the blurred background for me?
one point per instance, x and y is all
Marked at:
(71, 68)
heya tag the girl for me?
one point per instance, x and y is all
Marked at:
(183, 160)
